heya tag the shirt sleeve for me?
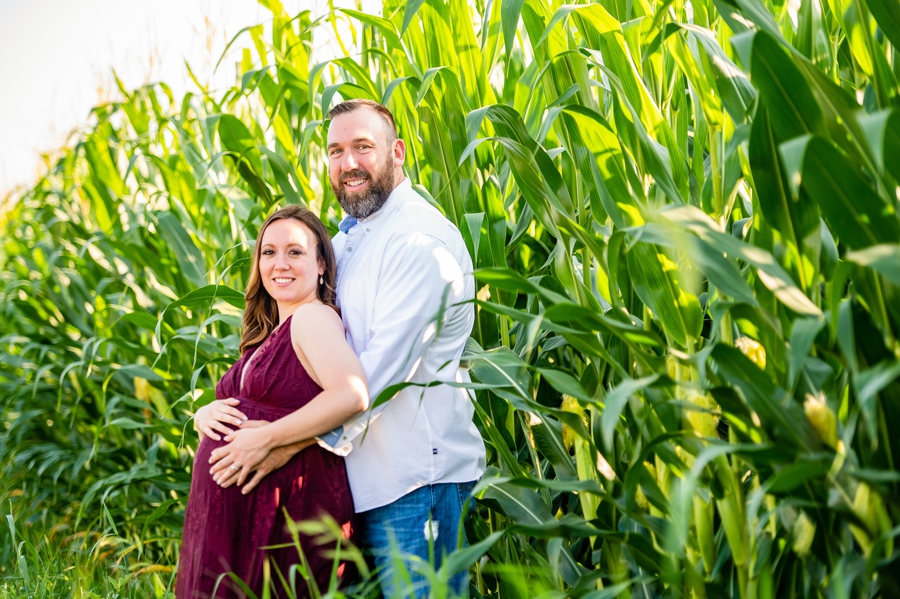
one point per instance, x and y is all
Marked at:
(420, 281)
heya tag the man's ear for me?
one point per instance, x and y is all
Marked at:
(399, 152)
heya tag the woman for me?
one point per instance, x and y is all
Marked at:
(296, 378)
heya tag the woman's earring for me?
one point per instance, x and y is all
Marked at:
(321, 280)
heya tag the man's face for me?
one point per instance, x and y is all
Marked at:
(362, 165)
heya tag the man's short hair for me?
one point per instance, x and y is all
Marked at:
(351, 105)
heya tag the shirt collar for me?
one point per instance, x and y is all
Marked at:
(348, 223)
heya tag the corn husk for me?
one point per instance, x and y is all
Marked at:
(731, 510)
(804, 531)
(571, 405)
(753, 349)
(821, 418)
(702, 422)
(703, 526)
(869, 507)
(639, 497)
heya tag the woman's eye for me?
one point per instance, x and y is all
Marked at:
(267, 252)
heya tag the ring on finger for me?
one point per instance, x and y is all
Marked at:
(235, 467)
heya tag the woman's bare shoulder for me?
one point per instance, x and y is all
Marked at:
(315, 317)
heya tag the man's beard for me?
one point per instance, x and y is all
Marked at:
(369, 201)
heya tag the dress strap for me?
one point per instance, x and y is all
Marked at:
(258, 352)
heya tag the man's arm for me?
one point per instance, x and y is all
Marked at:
(420, 279)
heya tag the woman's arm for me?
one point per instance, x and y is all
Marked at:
(318, 338)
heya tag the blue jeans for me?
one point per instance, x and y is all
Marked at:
(426, 524)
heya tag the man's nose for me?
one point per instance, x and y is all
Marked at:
(349, 162)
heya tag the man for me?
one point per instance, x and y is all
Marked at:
(405, 289)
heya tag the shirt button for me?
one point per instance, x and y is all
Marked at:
(349, 249)
(367, 230)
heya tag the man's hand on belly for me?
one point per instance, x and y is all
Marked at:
(276, 459)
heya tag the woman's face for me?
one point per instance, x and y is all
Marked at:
(288, 265)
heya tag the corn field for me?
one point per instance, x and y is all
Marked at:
(684, 222)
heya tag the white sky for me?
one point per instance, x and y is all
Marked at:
(56, 54)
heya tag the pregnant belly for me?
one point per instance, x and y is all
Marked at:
(254, 411)
(312, 483)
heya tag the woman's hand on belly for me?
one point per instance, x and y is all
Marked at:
(246, 449)
(210, 420)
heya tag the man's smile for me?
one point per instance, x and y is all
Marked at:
(354, 184)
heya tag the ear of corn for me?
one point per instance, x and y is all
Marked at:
(822, 419)
(804, 531)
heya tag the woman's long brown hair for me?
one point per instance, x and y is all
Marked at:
(261, 310)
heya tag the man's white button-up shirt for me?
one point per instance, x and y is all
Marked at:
(405, 288)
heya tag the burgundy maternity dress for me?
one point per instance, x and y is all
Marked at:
(225, 530)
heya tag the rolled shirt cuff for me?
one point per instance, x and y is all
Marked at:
(340, 440)
(336, 442)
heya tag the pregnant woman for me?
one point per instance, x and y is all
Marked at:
(296, 378)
